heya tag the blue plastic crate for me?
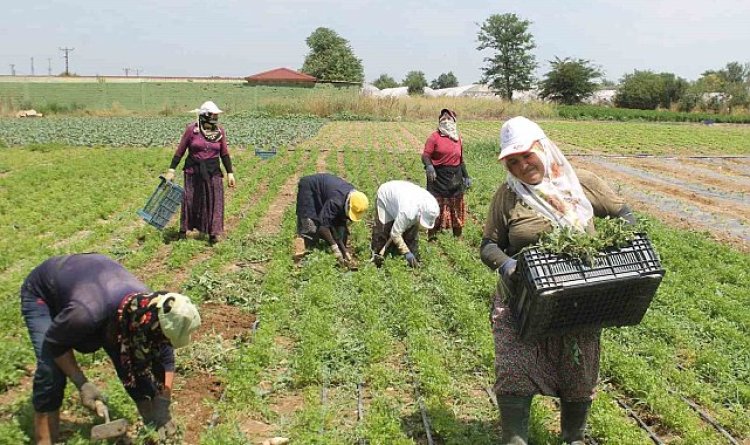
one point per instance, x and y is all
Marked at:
(163, 203)
(265, 154)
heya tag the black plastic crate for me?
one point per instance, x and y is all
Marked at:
(558, 295)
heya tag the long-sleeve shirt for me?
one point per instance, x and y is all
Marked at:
(512, 225)
(322, 198)
(83, 293)
(404, 203)
(200, 149)
(442, 150)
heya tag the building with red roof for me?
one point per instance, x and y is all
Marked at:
(281, 76)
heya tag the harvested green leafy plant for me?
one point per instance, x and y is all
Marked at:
(611, 233)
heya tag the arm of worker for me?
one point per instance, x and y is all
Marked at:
(495, 233)
(339, 251)
(166, 354)
(428, 167)
(179, 153)
(70, 327)
(400, 225)
(227, 161)
(604, 201)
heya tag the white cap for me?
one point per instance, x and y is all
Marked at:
(517, 135)
(208, 107)
(429, 214)
(178, 318)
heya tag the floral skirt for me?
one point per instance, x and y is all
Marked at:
(452, 213)
(566, 366)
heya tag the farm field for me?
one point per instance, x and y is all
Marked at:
(153, 97)
(389, 356)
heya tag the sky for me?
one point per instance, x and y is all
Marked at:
(240, 38)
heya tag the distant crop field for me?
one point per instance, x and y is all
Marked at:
(151, 97)
(390, 355)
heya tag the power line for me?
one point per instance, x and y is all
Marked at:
(12, 69)
(66, 51)
(127, 71)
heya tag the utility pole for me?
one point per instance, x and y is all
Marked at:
(49, 66)
(127, 71)
(66, 51)
(32, 66)
(12, 69)
(138, 72)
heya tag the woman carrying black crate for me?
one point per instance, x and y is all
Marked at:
(203, 202)
(542, 191)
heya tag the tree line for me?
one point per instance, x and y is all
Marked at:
(510, 64)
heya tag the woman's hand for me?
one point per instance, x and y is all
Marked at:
(169, 175)
(431, 173)
(231, 180)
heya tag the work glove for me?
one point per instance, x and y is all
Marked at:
(160, 411)
(231, 180)
(506, 271)
(90, 394)
(431, 173)
(166, 431)
(169, 175)
(378, 259)
(411, 260)
(467, 183)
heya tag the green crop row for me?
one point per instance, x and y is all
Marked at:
(259, 133)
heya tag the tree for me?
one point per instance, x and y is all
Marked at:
(385, 81)
(331, 57)
(445, 80)
(647, 90)
(570, 81)
(512, 66)
(415, 82)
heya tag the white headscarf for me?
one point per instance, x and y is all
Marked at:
(559, 197)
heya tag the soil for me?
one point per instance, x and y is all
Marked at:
(189, 404)
(229, 321)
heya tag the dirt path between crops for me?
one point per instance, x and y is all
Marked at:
(271, 222)
(679, 209)
(674, 167)
(193, 392)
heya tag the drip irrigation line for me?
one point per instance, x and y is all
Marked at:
(420, 400)
(360, 410)
(654, 437)
(704, 415)
(616, 156)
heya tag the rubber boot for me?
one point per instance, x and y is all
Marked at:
(457, 231)
(514, 419)
(573, 421)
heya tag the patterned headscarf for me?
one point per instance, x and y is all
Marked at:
(210, 130)
(140, 337)
(559, 197)
(447, 124)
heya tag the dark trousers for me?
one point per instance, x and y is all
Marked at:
(381, 233)
(49, 380)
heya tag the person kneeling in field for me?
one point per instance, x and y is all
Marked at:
(85, 302)
(400, 209)
(325, 204)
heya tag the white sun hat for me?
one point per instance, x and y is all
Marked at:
(208, 107)
(517, 135)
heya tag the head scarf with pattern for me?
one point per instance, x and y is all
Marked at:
(559, 197)
(447, 124)
(139, 337)
(210, 130)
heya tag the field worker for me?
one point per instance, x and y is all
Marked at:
(447, 178)
(541, 191)
(203, 202)
(85, 302)
(400, 209)
(325, 204)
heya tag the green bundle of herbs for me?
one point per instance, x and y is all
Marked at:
(610, 233)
